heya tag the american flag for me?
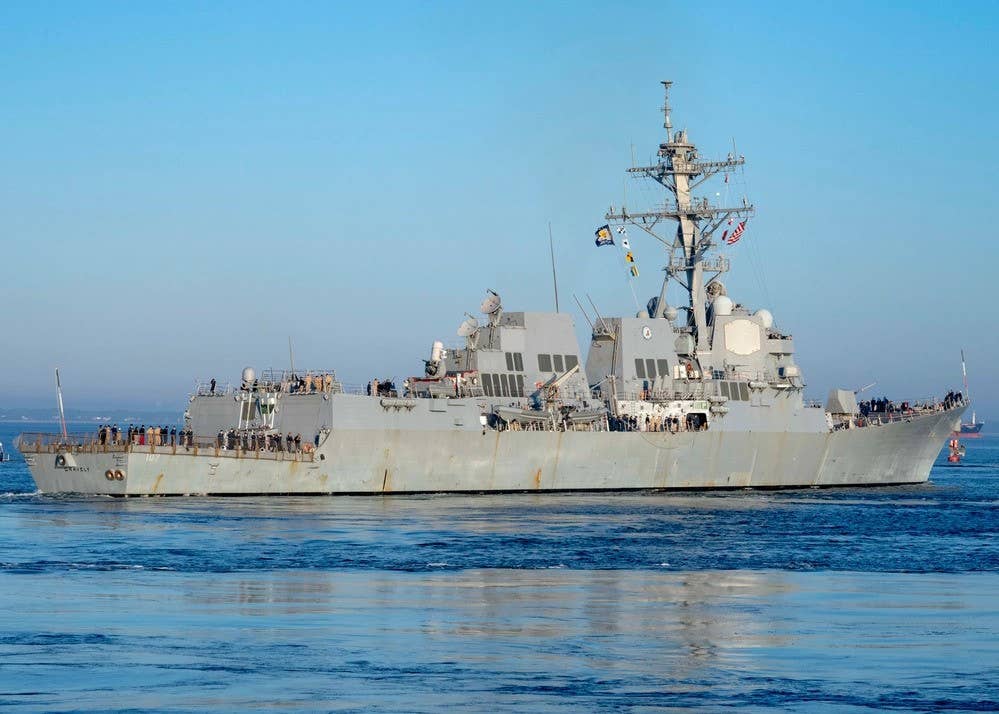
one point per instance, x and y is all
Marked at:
(737, 233)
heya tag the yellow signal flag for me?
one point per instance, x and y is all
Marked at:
(634, 271)
(629, 256)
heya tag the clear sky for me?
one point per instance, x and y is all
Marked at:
(186, 185)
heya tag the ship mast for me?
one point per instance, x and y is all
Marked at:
(679, 172)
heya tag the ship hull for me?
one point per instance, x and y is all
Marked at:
(375, 461)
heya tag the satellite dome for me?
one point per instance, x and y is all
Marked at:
(766, 318)
(249, 375)
(491, 304)
(670, 313)
(722, 305)
(642, 313)
(468, 327)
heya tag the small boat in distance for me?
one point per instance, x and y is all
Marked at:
(4, 456)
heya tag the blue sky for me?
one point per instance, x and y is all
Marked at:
(186, 185)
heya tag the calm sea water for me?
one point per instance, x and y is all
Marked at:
(835, 600)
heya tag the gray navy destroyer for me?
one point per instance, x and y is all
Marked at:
(701, 394)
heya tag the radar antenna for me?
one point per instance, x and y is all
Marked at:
(679, 171)
(492, 307)
(469, 329)
(667, 123)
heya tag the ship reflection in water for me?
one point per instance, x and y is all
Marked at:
(530, 639)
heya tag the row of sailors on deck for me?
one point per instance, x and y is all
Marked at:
(881, 406)
(659, 422)
(382, 388)
(887, 406)
(309, 384)
(233, 440)
(109, 434)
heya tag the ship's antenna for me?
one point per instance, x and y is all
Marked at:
(62, 412)
(291, 355)
(583, 310)
(551, 248)
(667, 122)
(597, 313)
(964, 373)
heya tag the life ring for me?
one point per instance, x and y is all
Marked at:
(690, 370)
(109, 475)
(119, 476)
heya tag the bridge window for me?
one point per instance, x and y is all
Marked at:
(744, 391)
(545, 363)
(505, 384)
(663, 367)
(497, 391)
(487, 385)
(640, 368)
(559, 366)
(650, 368)
(520, 385)
(518, 362)
(723, 389)
(509, 361)
(571, 361)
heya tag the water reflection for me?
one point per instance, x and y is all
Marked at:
(528, 639)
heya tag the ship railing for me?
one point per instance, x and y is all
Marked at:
(204, 389)
(42, 442)
(281, 376)
(209, 446)
(359, 389)
(898, 415)
(49, 443)
(654, 395)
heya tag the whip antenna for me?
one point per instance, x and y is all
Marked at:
(551, 248)
(62, 412)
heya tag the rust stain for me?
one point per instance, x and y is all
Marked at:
(492, 469)
(558, 454)
(537, 479)
(156, 485)
(386, 484)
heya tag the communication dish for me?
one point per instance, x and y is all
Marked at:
(491, 304)
(468, 328)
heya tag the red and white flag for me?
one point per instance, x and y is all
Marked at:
(737, 233)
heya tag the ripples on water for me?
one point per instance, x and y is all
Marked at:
(842, 600)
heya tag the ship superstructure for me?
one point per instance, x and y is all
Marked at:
(704, 394)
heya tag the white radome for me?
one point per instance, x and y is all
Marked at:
(722, 305)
